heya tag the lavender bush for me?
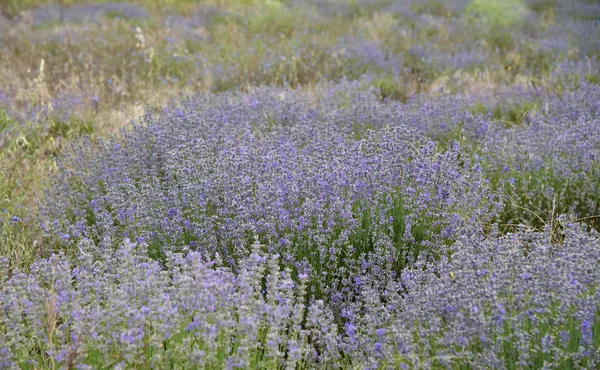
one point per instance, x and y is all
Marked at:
(547, 162)
(538, 148)
(121, 309)
(502, 302)
(316, 186)
(510, 302)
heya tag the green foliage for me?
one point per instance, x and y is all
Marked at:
(536, 199)
(420, 71)
(275, 19)
(390, 89)
(593, 78)
(27, 153)
(496, 13)
(76, 127)
(511, 115)
(542, 6)
(433, 7)
(6, 122)
(500, 40)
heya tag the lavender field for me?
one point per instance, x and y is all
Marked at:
(300, 184)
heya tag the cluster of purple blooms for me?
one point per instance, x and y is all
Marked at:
(549, 155)
(545, 155)
(383, 227)
(311, 181)
(516, 301)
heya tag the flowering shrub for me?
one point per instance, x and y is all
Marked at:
(503, 302)
(550, 164)
(296, 177)
(121, 309)
(511, 302)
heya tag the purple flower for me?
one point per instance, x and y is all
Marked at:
(350, 330)
(378, 347)
(526, 275)
(586, 331)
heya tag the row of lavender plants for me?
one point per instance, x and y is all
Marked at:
(321, 155)
(372, 219)
(512, 302)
